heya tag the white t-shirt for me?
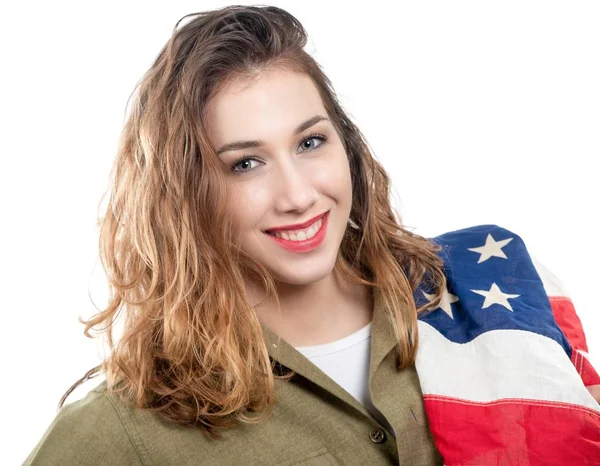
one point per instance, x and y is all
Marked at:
(346, 361)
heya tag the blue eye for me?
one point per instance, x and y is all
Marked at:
(241, 161)
(316, 137)
(246, 158)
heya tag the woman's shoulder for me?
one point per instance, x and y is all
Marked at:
(493, 245)
(89, 431)
(486, 247)
(475, 232)
(102, 429)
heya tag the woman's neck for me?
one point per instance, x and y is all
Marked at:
(318, 313)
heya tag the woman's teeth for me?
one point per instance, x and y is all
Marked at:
(299, 235)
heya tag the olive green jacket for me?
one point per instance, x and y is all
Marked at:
(315, 422)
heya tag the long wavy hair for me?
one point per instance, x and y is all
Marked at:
(192, 348)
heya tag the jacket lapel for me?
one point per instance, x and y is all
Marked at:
(382, 335)
(286, 355)
(382, 341)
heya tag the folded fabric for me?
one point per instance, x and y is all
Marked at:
(502, 361)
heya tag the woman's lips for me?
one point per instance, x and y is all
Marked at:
(298, 226)
(306, 245)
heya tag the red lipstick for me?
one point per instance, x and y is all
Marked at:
(297, 226)
(306, 245)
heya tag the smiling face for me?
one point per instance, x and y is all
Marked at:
(296, 169)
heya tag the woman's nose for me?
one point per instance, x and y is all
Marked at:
(293, 188)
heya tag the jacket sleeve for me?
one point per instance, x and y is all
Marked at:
(568, 321)
(85, 432)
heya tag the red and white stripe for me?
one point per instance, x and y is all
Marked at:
(512, 397)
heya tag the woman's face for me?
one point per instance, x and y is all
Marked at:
(294, 169)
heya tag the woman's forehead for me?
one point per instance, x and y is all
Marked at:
(275, 102)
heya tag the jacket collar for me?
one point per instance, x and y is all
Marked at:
(382, 342)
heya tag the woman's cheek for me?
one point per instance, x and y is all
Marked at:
(333, 171)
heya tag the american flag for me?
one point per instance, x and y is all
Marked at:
(502, 361)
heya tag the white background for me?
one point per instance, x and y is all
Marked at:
(482, 112)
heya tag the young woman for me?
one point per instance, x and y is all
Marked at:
(252, 250)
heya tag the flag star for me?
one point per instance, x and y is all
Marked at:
(445, 303)
(496, 296)
(491, 248)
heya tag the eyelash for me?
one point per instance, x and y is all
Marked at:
(320, 137)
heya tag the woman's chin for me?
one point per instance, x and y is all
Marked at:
(293, 276)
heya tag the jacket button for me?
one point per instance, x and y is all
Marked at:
(377, 436)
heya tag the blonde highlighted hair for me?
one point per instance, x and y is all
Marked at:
(192, 348)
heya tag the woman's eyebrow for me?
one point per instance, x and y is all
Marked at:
(237, 145)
